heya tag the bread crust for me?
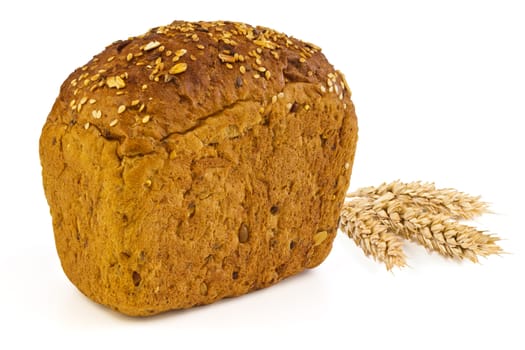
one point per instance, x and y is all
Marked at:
(196, 162)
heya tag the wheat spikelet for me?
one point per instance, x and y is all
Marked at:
(425, 195)
(374, 238)
(378, 217)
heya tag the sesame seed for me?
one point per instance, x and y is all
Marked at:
(258, 61)
(336, 88)
(175, 58)
(256, 76)
(178, 68)
(289, 106)
(118, 93)
(344, 105)
(161, 48)
(142, 106)
(267, 75)
(144, 87)
(347, 166)
(341, 96)
(72, 103)
(135, 102)
(95, 77)
(145, 119)
(306, 107)
(310, 73)
(102, 71)
(195, 37)
(200, 46)
(302, 60)
(111, 58)
(129, 57)
(173, 154)
(259, 50)
(97, 114)
(86, 126)
(242, 69)
(261, 69)
(92, 101)
(229, 66)
(113, 122)
(83, 100)
(151, 45)
(148, 183)
(169, 53)
(193, 58)
(274, 99)
(74, 82)
(280, 95)
(121, 109)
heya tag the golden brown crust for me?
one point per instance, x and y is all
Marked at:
(195, 162)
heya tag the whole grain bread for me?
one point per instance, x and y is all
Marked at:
(196, 162)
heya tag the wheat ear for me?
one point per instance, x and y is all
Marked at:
(426, 196)
(443, 235)
(374, 238)
(378, 218)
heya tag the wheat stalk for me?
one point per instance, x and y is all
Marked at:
(377, 218)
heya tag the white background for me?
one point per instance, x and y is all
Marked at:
(439, 88)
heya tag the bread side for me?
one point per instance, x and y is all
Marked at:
(196, 162)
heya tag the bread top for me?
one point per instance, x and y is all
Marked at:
(169, 80)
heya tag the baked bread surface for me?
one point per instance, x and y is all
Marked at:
(196, 162)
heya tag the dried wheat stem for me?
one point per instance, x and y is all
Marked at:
(424, 195)
(374, 238)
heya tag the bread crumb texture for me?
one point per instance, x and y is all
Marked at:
(196, 162)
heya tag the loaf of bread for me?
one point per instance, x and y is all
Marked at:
(196, 162)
